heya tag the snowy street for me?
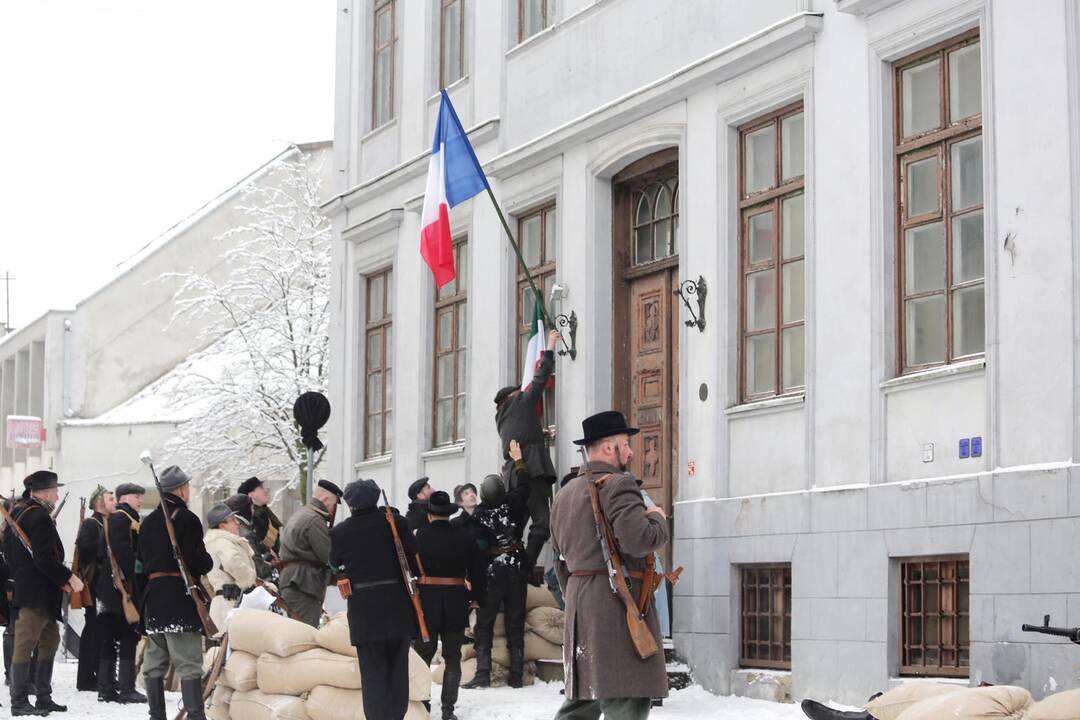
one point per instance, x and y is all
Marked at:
(538, 702)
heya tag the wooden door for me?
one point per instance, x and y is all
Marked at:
(646, 315)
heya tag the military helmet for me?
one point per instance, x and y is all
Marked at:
(492, 491)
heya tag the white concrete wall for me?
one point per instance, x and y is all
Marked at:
(558, 116)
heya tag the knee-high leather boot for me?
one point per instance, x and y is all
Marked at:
(451, 682)
(482, 679)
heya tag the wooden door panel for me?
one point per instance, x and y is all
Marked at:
(650, 383)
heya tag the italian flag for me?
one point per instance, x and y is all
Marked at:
(535, 350)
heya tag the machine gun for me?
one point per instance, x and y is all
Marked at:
(1073, 634)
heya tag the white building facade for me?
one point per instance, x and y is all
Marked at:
(865, 419)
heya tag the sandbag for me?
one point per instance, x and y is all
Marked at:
(218, 707)
(889, 705)
(257, 632)
(334, 635)
(548, 623)
(332, 703)
(1059, 706)
(498, 629)
(536, 648)
(299, 673)
(468, 671)
(996, 701)
(539, 597)
(468, 651)
(256, 705)
(419, 678)
(241, 671)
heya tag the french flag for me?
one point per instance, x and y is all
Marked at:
(454, 176)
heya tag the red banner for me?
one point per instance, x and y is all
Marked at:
(24, 431)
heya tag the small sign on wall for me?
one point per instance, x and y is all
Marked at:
(24, 431)
(691, 468)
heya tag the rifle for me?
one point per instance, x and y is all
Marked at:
(406, 573)
(194, 590)
(640, 634)
(19, 533)
(82, 599)
(1073, 634)
(131, 613)
(59, 507)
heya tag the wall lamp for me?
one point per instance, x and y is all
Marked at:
(701, 291)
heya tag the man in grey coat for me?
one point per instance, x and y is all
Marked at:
(516, 418)
(604, 673)
(305, 554)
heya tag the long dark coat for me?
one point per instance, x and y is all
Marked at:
(416, 514)
(516, 419)
(88, 542)
(124, 541)
(39, 580)
(599, 659)
(364, 546)
(166, 605)
(449, 552)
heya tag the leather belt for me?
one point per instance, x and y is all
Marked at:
(374, 583)
(156, 575)
(636, 574)
(456, 581)
(309, 563)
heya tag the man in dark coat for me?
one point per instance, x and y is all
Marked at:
(243, 509)
(118, 638)
(417, 515)
(604, 673)
(40, 582)
(173, 630)
(382, 621)
(264, 522)
(85, 564)
(305, 554)
(503, 515)
(517, 419)
(448, 560)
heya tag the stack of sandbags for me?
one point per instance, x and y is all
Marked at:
(331, 675)
(996, 701)
(1060, 706)
(544, 623)
(889, 705)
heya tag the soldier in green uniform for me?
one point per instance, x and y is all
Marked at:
(305, 554)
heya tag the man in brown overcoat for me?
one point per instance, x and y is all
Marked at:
(604, 673)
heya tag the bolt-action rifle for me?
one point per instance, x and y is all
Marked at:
(406, 573)
(82, 599)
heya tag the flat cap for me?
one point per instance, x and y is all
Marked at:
(218, 514)
(362, 494)
(129, 489)
(417, 486)
(249, 485)
(330, 488)
(460, 489)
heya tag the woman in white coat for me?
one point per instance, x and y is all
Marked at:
(234, 566)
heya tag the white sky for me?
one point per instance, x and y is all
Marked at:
(120, 117)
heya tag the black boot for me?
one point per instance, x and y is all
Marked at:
(191, 691)
(482, 679)
(106, 679)
(516, 677)
(155, 697)
(20, 685)
(125, 688)
(9, 650)
(816, 711)
(450, 683)
(43, 683)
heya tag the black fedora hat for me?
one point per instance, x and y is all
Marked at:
(439, 504)
(602, 425)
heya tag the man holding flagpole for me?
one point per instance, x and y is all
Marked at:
(454, 176)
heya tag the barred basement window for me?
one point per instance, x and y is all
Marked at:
(451, 340)
(939, 213)
(379, 383)
(934, 609)
(766, 616)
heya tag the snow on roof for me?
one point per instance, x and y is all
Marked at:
(174, 397)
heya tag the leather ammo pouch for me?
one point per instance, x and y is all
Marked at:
(230, 592)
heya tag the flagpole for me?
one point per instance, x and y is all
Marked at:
(521, 260)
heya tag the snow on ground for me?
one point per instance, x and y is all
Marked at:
(538, 702)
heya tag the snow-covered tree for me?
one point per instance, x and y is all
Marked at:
(266, 325)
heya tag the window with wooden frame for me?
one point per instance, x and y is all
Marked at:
(765, 640)
(451, 341)
(934, 616)
(772, 316)
(534, 16)
(656, 217)
(378, 366)
(383, 45)
(538, 238)
(939, 209)
(452, 42)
